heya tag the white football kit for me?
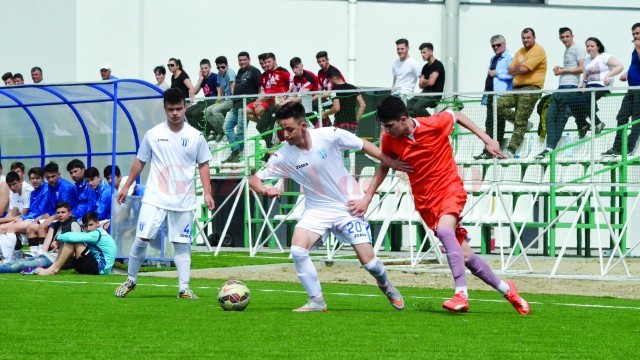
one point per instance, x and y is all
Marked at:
(327, 184)
(21, 201)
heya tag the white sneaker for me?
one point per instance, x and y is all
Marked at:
(313, 306)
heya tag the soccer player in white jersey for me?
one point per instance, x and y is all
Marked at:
(173, 148)
(313, 158)
(19, 199)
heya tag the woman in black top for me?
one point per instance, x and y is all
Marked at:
(180, 79)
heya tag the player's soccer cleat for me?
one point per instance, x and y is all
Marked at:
(187, 294)
(125, 288)
(512, 296)
(458, 303)
(312, 306)
(394, 296)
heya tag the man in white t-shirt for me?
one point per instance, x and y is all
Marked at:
(19, 199)
(313, 158)
(173, 149)
(406, 71)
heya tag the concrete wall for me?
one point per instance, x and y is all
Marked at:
(70, 39)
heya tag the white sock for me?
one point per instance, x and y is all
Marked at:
(182, 259)
(464, 289)
(6, 246)
(306, 271)
(136, 258)
(503, 288)
(376, 268)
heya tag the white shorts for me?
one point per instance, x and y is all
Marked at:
(347, 228)
(151, 218)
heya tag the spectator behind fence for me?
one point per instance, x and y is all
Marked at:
(36, 74)
(7, 78)
(630, 106)
(405, 69)
(498, 79)
(160, 72)
(18, 79)
(303, 81)
(180, 78)
(105, 72)
(247, 83)
(226, 79)
(431, 81)
(528, 67)
(558, 111)
(599, 70)
(207, 81)
(324, 84)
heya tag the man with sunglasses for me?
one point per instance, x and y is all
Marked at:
(498, 79)
(226, 80)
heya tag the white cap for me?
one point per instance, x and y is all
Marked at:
(105, 66)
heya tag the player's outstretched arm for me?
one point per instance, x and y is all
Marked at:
(136, 169)
(256, 184)
(374, 151)
(492, 146)
(205, 178)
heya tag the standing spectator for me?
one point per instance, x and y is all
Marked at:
(247, 83)
(226, 79)
(405, 70)
(180, 78)
(8, 79)
(303, 81)
(105, 72)
(431, 81)
(36, 74)
(558, 111)
(18, 79)
(207, 81)
(160, 72)
(599, 70)
(528, 67)
(498, 79)
(170, 192)
(630, 106)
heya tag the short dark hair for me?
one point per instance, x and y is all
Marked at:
(289, 110)
(295, 62)
(107, 171)
(37, 171)
(391, 108)
(173, 96)
(426, 45)
(333, 72)
(51, 168)
(12, 176)
(262, 56)
(222, 60)
(90, 216)
(635, 26)
(244, 53)
(75, 164)
(526, 30)
(17, 164)
(402, 41)
(18, 76)
(36, 68)
(7, 76)
(160, 69)
(91, 173)
(63, 204)
(205, 62)
(269, 55)
(563, 30)
(178, 63)
(322, 54)
(598, 44)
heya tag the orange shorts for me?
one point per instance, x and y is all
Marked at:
(453, 204)
(264, 103)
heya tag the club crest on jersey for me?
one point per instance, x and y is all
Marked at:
(141, 226)
(185, 142)
(322, 153)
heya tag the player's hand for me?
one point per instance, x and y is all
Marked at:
(272, 192)
(493, 148)
(398, 165)
(210, 203)
(623, 77)
(122, 195)
(48, 221)
(358, 208)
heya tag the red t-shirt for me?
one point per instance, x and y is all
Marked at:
(308, 81)
(435, 173)
(275, 81)
(323, 82)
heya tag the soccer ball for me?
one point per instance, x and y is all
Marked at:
(233, 295)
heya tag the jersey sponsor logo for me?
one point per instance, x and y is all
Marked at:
(185, 142)
(298, 167)
(322, 153)
(159, 140)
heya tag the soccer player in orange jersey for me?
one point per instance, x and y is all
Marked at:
(438, 192)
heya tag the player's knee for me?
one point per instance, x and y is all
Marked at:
(299, 253)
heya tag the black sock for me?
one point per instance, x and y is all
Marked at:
(33, 241)
(18, 245)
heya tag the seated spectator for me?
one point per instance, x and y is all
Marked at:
(303, 81)
(431, 81)
(85, 196)
(18, 79)
(215, 114)
(101, 196)
(180, 78)
(347, 108)
(36, 74)
(599, 70)
(108, 176)
(18, 206)
(7, 78)
(93, 252)
(208, 82)
(160, 72)
(65, 222)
